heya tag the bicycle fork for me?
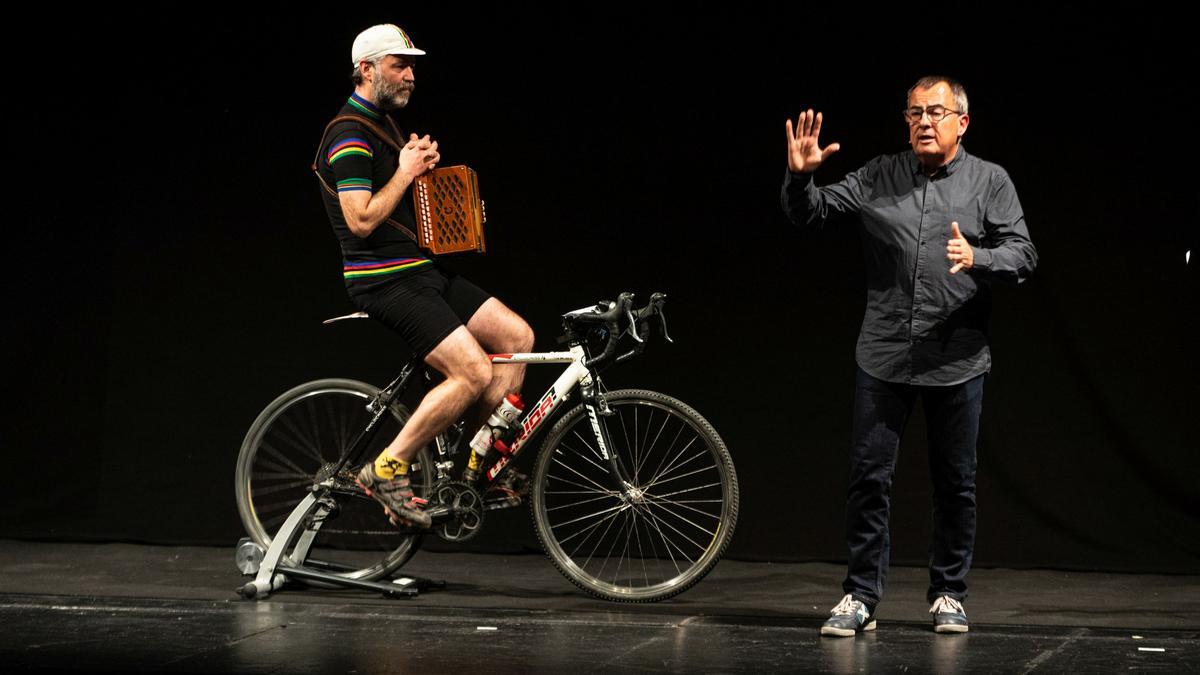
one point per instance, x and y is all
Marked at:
(597, 409)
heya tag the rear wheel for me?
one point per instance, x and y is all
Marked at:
(297, 441)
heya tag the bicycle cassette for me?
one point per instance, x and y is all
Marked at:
(460, 508)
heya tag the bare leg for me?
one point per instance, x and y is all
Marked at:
(499, 330)
(468, 374)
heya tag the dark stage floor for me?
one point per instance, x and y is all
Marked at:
(148, 608)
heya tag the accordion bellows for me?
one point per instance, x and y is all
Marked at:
(450, 215)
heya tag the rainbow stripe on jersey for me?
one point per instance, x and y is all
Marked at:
(367, 270)
(366, 107)
(351, 147)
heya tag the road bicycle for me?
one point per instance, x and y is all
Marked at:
(634, 495)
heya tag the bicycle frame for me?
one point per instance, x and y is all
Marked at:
(575, 375)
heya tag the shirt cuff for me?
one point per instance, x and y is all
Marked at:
(982, 259)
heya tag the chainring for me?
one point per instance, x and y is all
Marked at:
(466, 510)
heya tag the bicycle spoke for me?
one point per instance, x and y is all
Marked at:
(588, 490)
(711, 533)
(314, 430)
(692, 508)
(690, 473)
(666, 542)
(295, 437)
(627, 528)
(616, 540)
(660, 471)
(666, 418)
(574, 492)
(270, 449)
(580, 503)
(591, 528)
(273, 470)
(680, 533)
(584, 458)
(592, 515)
(658, 559)
(625, 555)
(635, 429)
(572, 470)
(641, 553)
(633, 451)
(274, 508)
(600, 540)
(583, 439)
(258, 492)
(646, 437)
(625, 433)
(692, 489)
(676, 466)
(667, 452)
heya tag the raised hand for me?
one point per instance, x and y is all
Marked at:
(804, 152)
(959, 251)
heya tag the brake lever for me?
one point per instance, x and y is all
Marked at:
(633, 331)
(655, 306)
(662, 320)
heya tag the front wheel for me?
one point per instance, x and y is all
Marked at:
(656, 534)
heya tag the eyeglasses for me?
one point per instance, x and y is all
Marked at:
(936, 113)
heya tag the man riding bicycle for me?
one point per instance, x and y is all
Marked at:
(367, 167)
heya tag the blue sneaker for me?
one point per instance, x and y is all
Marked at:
(948, 615)
(848, 618)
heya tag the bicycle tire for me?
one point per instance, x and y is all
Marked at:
(575, 496)
(302, 432)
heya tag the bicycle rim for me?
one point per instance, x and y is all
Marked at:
(659, 535)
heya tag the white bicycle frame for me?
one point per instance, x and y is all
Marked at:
(576, 374)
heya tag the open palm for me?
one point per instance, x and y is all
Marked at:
(804, 151)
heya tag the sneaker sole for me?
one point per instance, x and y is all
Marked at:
(951, 628)
(846, 632)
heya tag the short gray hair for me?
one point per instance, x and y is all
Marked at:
(356, 77)
(956, 88)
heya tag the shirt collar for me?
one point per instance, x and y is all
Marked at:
(915, 164)
(370, 109)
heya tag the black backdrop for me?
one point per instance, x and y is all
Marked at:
(170, 261)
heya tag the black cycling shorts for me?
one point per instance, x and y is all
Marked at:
(423, 306)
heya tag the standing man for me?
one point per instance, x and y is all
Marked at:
(938, 225)
(366, 167)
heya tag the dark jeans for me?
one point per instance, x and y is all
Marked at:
(881, 410)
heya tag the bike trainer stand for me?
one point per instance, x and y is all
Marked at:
(274, 568)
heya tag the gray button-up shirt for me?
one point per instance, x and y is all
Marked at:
(924, 325)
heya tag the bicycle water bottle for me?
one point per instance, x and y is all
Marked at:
(491, 434)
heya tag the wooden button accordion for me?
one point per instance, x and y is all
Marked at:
(450, 214)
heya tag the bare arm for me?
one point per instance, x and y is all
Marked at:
(364, 211)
